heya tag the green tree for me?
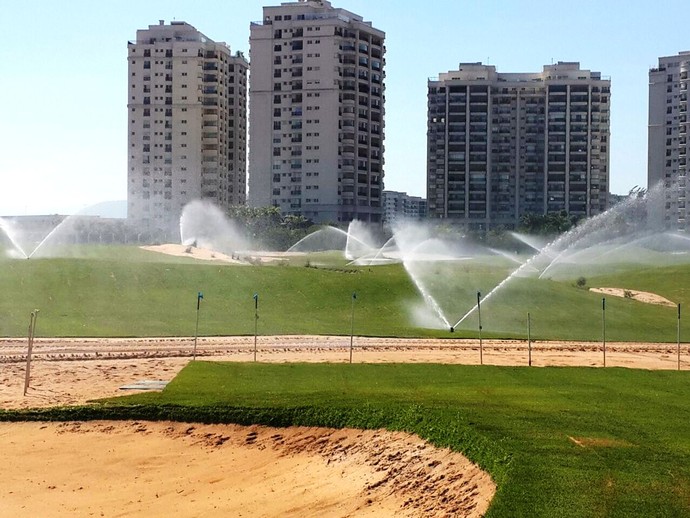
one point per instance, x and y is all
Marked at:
(547, 224)
(265, 227)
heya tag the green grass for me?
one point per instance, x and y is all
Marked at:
(125, 291)
(516, 423)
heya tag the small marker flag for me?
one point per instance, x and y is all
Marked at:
(199, 296)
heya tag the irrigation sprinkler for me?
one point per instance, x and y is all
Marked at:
(603, 326)
(31, 334)
(479, 315)
(199, 297)
(529, 340)
(678, 336)
(352, 324)
(256, 320)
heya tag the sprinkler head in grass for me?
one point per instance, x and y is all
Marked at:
(452, 329)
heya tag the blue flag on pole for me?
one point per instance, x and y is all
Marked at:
(199, 296)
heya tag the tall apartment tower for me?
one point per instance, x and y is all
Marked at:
(500, 146)
(317, 113)
(187, 131)
(669, 145)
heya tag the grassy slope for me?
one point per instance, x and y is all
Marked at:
(515, 422)
(130, 293)
(79, 297)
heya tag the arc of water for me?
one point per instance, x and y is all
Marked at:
(380, 251)
(568, 240)
(326, 228)
(508, 256)
(430, 300)
(621, 247)
(9, 232)
(527, 264)
(49, 236)
(679, 236)
(528, 240)
(552, 263)
(500, 285)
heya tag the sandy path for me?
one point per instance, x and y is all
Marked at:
(70, 371)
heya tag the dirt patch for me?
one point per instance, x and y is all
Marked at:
(600, 442)
(640, 296)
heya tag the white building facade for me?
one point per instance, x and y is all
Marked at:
(317, 113)
(669, 146)
(501, 145)
(400, 206)
(187, 127)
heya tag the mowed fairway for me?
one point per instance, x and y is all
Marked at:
(125, 291)
(557, 441)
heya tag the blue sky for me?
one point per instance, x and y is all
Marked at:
(63, 78)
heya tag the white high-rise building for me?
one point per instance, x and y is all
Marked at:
(669, 145)
(187, 129)
(400, 206)
(317, 113)
(502, 145)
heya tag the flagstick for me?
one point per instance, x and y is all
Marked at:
(678, 336)
(603, 326)
(256, 320)
(479, 313)
(32, 330)
(199, 296)
(352, 325)
(529, 339)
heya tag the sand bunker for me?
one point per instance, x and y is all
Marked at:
(640, 296)
(159, 469)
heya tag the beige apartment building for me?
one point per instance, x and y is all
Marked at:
(187, 133)
(501, 145)
(669, 145)
(317, 113)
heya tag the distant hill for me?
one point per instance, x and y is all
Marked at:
(107, 209)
